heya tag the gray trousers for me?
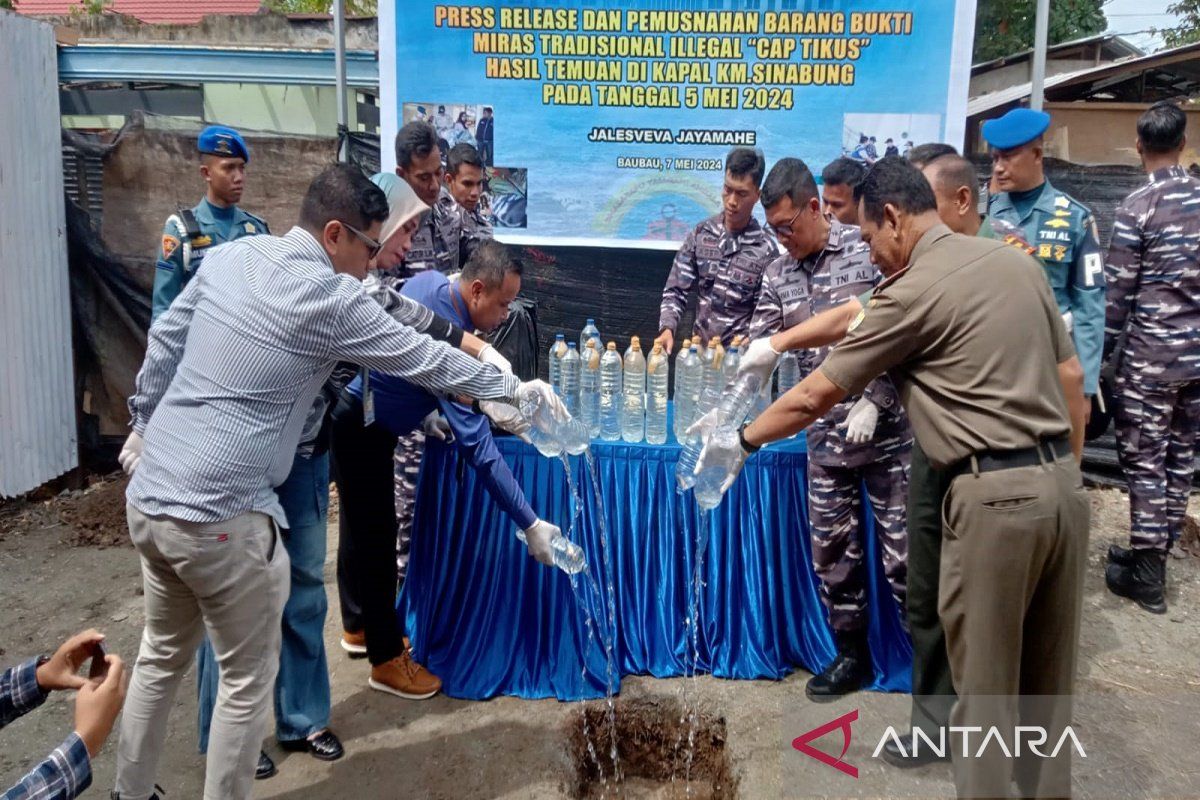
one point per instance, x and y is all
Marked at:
(229, 579)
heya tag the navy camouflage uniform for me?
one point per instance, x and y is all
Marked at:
(473, 227)
(791, 293)
(180, 255)
(726, 270)
(1154, 302)
(1063, 233)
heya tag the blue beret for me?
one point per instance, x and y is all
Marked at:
(1017, 127)
(217, 140)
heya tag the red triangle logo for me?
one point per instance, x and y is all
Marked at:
(801, 743)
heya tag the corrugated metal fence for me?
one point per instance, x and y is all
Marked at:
(37, 394)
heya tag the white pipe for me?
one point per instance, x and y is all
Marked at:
(1037, 79)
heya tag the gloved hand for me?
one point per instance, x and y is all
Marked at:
(538, 537)
(131, 453)
(759, 359)
(490, 355)
(506, 417)
(861, 421)
(539, 392)
(722, 450)
(704, 426)
(436, 426)
(1069, 321)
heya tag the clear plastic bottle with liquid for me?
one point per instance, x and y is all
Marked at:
(550, 434)
(633, 411)
(787, 373)
(735, 405)
(568, 382)
(610, 394)
(557, 351)
(733, 358)
(657, 367)
(567, 555)
(679, 359)
(589, 389)
(687, 402)
(590, 333)
(714, 377)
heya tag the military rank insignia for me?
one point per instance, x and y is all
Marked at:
(169, 245)
(249, 226)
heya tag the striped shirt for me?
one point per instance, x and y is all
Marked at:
(233, 367)
(67, 771)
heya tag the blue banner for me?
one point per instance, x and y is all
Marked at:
(606, 122)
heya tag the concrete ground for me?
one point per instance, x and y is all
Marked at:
(1139, 686)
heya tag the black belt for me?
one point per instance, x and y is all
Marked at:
(1046, 451)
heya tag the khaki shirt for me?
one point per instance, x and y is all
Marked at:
(971, 335)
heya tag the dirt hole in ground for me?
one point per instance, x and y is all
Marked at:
(652, 751)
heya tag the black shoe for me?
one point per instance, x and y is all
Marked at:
(324, 746)
(1143, 580)
(266, 767)
(903, 756)
(847, 673)
(158, 793)
(1120, 555)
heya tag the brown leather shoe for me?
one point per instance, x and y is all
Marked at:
(405, 678)
(354, 643)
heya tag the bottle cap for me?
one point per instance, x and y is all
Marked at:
(591, 322)
(591, 343)
(571, 344)
(559, 336)
(612, 346)
(635, 342)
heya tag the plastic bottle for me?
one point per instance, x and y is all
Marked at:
(633, 412)
(569, 379)
(687, 401)
(610, 394)
(736, 402)
(551, 435)
(787, 373)
(733, 358)
(590, 333)
(679, 359)
(557, 351)
(567, 555)
(657, 367)
(589, 389)
(714, 377)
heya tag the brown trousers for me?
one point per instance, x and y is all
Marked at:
(1013, 554)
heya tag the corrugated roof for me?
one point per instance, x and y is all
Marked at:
(168, 11)
(1011, 94)
(1113, 40)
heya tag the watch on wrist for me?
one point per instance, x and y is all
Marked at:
(750, 449)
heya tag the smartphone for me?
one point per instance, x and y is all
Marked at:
(98, 667)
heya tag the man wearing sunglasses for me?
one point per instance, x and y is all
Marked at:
(722, 260)
(231, 374)
(863, 439)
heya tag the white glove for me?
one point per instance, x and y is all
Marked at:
(861, 421)
(539, 392)
(538, 537)
(436, 426)
(506, 417)
(131, 453)
(704, 426)
(1069, 320)
(759, 359)
(490, 355)
(722, 450)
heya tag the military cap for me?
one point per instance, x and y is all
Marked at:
(1017, 127)
(217, 140)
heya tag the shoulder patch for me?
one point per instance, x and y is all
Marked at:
(169, 245)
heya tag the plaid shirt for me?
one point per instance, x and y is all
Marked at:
(68, 770)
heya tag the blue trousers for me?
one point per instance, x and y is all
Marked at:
(302, 687)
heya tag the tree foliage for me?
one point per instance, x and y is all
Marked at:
(1188, 29)
(354, 8)
(1004, 27)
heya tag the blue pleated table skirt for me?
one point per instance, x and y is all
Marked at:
(488, 620)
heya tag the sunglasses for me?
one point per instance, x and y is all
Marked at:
(373, 247)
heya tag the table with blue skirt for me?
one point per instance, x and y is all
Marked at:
(489, 620)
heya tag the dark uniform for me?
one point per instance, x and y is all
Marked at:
(188, 235)
(726, 271)
(1063, 232)
(436, 241)
(1154, 301)
(472, 226)
(972, 336)
(791, 293)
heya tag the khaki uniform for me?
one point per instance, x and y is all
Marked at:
(972, 337)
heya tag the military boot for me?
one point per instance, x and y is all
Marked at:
(1142, 580)
(848, 671)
